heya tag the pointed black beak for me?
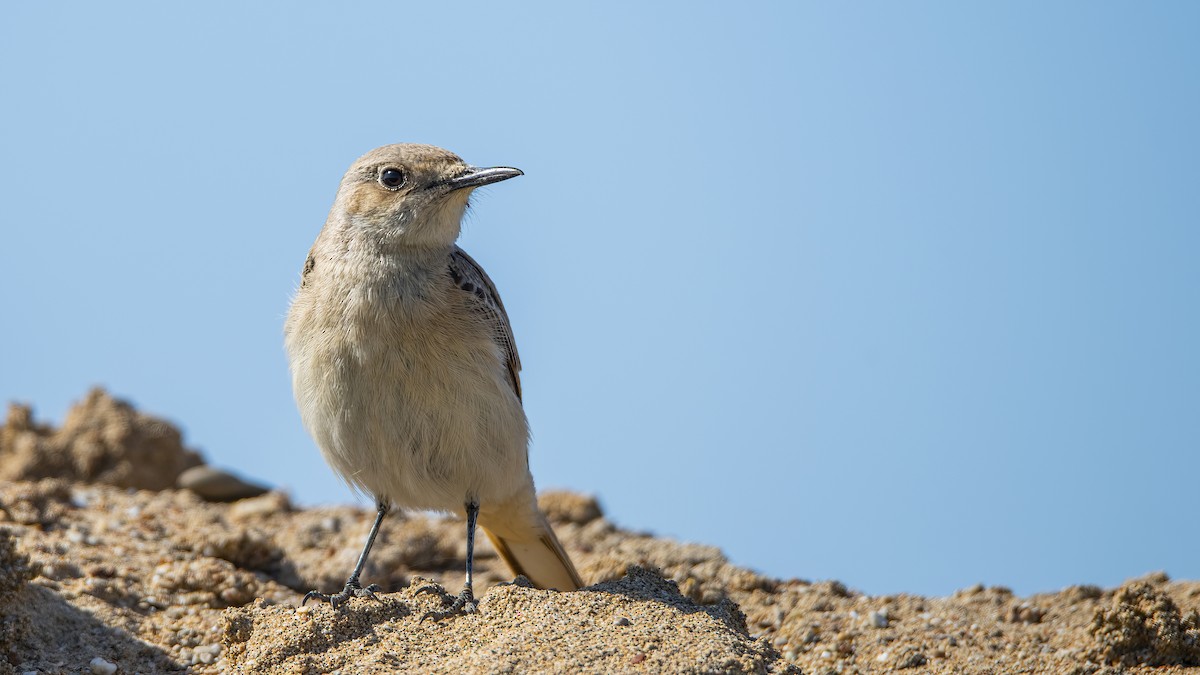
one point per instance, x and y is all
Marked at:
(474, 178)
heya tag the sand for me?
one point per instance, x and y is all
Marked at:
(107, 566)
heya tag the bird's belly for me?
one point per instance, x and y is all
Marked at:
(418, 421)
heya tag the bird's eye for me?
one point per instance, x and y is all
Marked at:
(391, 178)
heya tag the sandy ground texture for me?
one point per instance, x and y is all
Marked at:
(107, 565)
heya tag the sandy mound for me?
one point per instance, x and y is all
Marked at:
(519, 629)
(103, 440)
(95, 576)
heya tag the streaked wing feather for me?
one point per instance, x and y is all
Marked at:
(470, 277)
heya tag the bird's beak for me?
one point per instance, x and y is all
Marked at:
(474, 178)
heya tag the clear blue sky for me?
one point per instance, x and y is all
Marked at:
(905, 295)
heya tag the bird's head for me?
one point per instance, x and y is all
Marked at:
(409, 195)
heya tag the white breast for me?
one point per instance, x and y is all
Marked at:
(406, 395)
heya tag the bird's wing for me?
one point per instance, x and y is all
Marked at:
(470, 277)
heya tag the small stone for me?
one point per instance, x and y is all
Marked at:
(261, 506)
(81, 499)
(1026, 613)
(101, 667)
(879, 619)
(214, 485)
(621, 621)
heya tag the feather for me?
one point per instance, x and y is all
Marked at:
(470, 277)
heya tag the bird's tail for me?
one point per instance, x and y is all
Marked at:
(522, 536)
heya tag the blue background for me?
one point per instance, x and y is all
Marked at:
(904, 295)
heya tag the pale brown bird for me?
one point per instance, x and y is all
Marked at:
(404, 366)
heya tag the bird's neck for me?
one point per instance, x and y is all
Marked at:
(377, 269)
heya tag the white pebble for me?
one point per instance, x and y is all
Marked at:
(208, 653)
(879, 619)
(101, 667)
(81, 499)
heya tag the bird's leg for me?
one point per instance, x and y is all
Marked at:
(352, 589)
(465, 603)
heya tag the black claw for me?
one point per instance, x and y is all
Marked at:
(370, 591)
(350, 590)
(436, 589)
(464, 603)
(315, 594)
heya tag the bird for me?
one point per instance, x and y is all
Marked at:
(405, 370)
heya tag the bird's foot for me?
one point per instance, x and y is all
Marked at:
(350, 590)
(464, 603)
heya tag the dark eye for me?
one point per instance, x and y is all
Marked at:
(391, 178)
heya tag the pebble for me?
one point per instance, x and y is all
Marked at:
(621, 621)
(214, 485)
(262, 506)
(155, 602)
(101, 667)
(879, 619)
(208, 653)
(81, 499)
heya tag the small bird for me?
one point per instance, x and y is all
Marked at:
(404, 366)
